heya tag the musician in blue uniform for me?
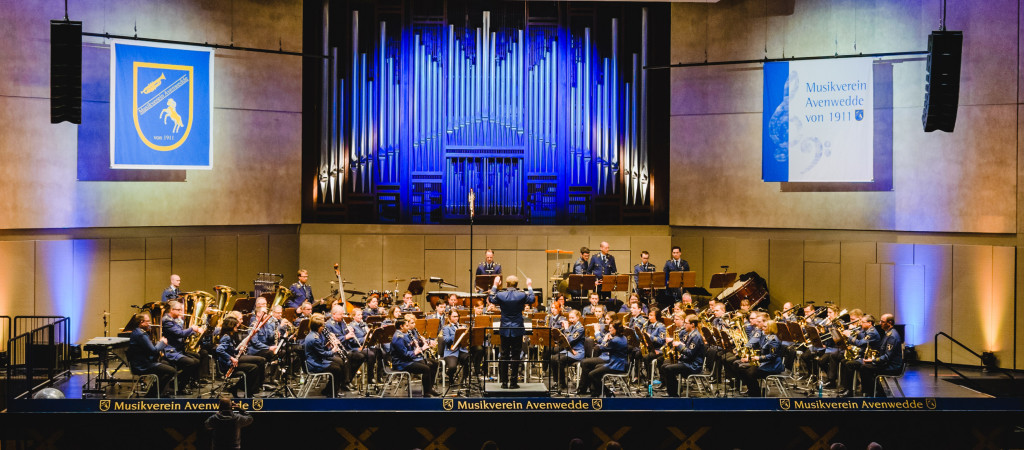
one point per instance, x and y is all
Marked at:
(768, 362)
(303, 292)
(556, 321)
(866, 337)
(458, 356)
(172, 292)
(175, 333)
(594, 301)
(654, 333)
(714, 352)
(406, 355)
(809, 358)
(592, 369)
(321, 356)
(689, 346)
(511, 301)
(361, 331)
(732, 364)
(573, 331)
(144, 357)
(227, 356)
(601, 265)
(347, 336)
(644, 266)
(676, 264)
(488, 267)
(408, 304)
(263, 343)
(888, 362)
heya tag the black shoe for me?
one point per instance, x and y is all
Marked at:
(185, 391)
(434, 393)
(513, 386)
(844, 393)
(830, 385)
(504, 385)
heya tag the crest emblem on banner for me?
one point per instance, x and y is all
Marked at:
(104, 405)
(162, 102)
(859, 115)
(448, 404)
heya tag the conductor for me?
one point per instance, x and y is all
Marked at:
(511, 301)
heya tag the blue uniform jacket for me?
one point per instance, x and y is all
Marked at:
(675, 266)
(227, 348)
(318, 355)
(771, 359)
(448, 338)
(488, 269)
(511, 301)
(175, 335)
(169, 294)
(890, 353)
(601, 265)
(142, 354)
(576, 337)
(641, 268)
(402, 351)
(340, 329)
(657, 333)
(617, 347)
(263, 339)
(692, 350)
(303, 292)
(867, 339)
(581, 267)
(360, 329)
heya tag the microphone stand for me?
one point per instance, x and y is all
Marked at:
(472, 280)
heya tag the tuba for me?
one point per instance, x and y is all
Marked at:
(197, 302)
(281, 296)
(225, 303)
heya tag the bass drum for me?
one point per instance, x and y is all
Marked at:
(750, 290)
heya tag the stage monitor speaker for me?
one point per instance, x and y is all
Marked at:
(65, 71)
(942, 80)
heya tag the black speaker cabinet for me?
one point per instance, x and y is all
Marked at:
(942, 80)
(65, 71)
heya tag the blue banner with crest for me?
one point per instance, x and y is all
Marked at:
(161, 112)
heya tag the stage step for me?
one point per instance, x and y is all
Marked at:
(493, 389)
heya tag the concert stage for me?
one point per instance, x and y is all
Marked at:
(958, 419)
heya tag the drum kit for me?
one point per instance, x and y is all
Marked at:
(385, 298)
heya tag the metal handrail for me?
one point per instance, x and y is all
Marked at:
(949, 365)
(24, 365)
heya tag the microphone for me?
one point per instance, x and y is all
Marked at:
(472, 202)
(135, 306)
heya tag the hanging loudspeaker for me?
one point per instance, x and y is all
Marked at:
(942, 80)
(65, 71)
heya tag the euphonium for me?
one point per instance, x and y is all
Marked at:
(197, 316)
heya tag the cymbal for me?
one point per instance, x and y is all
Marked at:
(334, 282)
(353, 291)
(555, 279)
(395, 280)
(359, 303)
(559, 251)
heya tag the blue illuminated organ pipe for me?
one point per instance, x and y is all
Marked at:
(482, 109)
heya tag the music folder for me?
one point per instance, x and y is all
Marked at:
(485, 282)
(721, 280)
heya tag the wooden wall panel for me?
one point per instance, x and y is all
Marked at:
(890, 253)
(252, 259)
(221, 261)
(532, 262)
(363, 261)
(854, 256)
(786, 264)
(53, 280)
(822, 251)
(693, 252)
(17, 282)
(972, 298)
(821, 283)
(909, 308)
(158, 248)
(479, 242)
(188, 260)
(403, 259)
(127, 249)
(532, 242)
(999, 332)
(158, 278)
(887, 290)
(319, 253)
(127, 279)
(937, 261)
(752, 255)
(439, 263)
(500, 242)
(91, 279)
(872, 288)
(283, 255)
(718, 252)
(439, 241)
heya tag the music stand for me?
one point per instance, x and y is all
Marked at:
(794, 331)
(783, 334)
(581, 283)
(721, 280)
(463, 342)
(632, 339)
(709, 336)
(689, 279)
(815, 338)
(675, 280)
(485, 282)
